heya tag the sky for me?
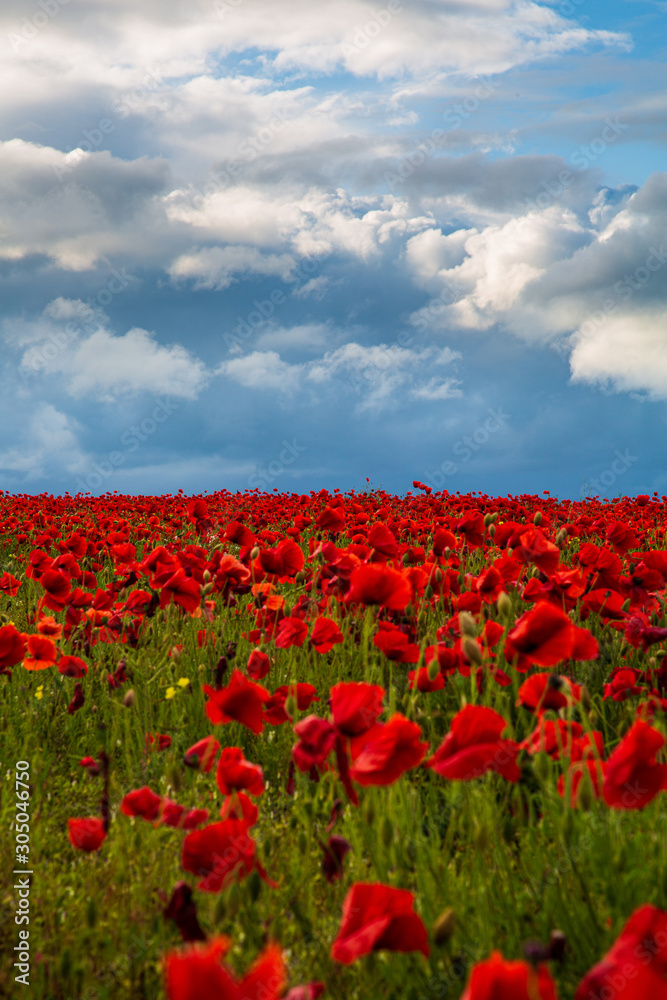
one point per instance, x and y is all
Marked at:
(251, 244)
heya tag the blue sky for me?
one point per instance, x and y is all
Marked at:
(247, 244)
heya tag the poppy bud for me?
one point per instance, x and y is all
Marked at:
(504, 604)
(561, 536)
(557, 946)
(492, 530)
(428, 592)
(467, 624)
(291, 706)
(206, 589)
(443, 928)
(659, 653)
(626, 605)
(585, 795)
(300, 577)
(471, 650)
(254, 553)
(537, 520)
(433, 669)
(438, 575)
(129, 698)
(387, 831)
(488, 520)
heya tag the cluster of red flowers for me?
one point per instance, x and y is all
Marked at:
(509, 581)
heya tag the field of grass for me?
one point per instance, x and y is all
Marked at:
(164, 599)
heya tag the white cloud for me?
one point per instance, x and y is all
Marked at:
(627, 351)
(70, 340)
(106, 366)
(219, 267)
(380, 375)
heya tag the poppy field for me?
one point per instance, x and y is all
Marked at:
(264, 745)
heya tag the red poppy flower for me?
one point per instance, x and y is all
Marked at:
(259, 665)
(57, 586)
(239, 806)
(274, 708)
(420, 679)
(632, 776)
(72, 666)
(182, 909)
(334, 855)
(12, 646)
(317, 738)
(540, 692)
(291, 632)
(395, 644)
(173, 814)
(197, 973)
(311, 991)
(622, 684)
(325, 635)
(553, 736)
(202, 754)
(355, 706)
(331, 519)
(219, 853)
(236, 774)
(86, 834)
(41, 653)
(375, 583)
(241, 701)
(182, 590)
(382, 540)
(9, 585)
(635, 967)
(497, 979)
(142, 802)
(378, 918)
(489, 585)
(474, 745)
(471, 526)
(388, 751)
(162, 741)
(535, 547)
(78, 700)
(546, 636)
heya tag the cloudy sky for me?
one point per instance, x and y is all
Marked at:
(280, 244)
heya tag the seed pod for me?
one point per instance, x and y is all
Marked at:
(504, 604)
(467, 623)
(129, 698)
(471, 650)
